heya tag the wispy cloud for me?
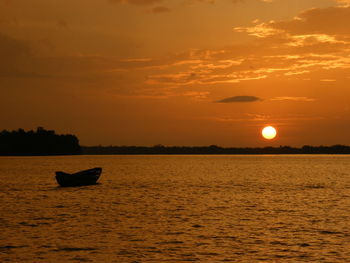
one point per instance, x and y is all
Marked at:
(304, 99)
(343, 2)
(316, 40)
(137, 2)
(328, 80)
(289, 49)
(160, 9)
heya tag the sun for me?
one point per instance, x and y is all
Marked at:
(269, 132)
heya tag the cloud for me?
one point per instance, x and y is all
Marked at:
(152, 2)
(19, 60)
(328, 80)
(304, 99)
(330, 21)
(138, 2)
(232, 1)
(237, 99)
(278, 52)
(197, 95)
(324, 22)
(160, 9)
(10, 47)
(343, 2)
(15, 55)
(62, 23)
(206, 1)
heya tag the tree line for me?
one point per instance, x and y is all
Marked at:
(213, 149)
(47, 142)
(39, 142)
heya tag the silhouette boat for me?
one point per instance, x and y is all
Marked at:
(86, 177)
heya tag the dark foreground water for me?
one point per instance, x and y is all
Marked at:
(177, 209)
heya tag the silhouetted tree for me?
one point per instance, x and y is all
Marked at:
(39, 142)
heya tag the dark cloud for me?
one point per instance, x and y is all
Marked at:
(236, 99)
(62, 23)
(14, 54)
(10, 47)
(18, 59)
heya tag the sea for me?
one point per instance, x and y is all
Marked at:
(183, 208)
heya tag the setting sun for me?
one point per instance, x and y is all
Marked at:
(269, 132)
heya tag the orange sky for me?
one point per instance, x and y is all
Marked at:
(177, 72)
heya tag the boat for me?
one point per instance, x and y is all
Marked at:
(86, 177)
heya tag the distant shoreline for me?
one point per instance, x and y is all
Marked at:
(211, 150)
(181, 154)
(47, 143)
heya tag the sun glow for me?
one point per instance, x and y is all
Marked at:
(269, 132)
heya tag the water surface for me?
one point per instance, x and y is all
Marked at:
(177, 209)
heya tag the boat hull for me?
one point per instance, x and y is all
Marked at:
(86, 177)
